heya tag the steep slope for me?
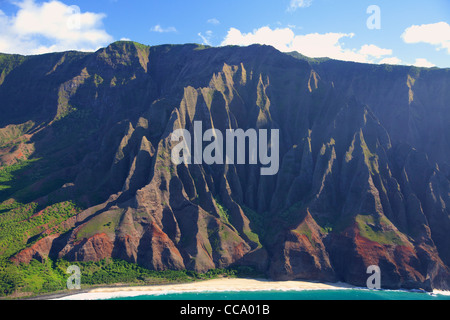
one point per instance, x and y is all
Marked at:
(363, 180)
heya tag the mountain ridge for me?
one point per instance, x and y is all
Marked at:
(364, 171)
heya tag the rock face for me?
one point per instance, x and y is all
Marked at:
(364, 161)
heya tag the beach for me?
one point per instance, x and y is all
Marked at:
(216, 285)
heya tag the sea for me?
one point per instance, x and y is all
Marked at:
(348, 294)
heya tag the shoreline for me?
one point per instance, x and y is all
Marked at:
(205, 286)
(215, 285)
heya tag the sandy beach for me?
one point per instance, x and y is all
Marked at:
(216, 285)
(442, 292)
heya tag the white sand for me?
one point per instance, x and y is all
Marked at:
(216, 285)
(441, 292)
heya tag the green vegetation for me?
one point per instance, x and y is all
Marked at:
(21, 222)
(12, 134)
(299, 56)
(7, 63)
(303, 229)
(253, 237)
(8, 174)
(103, 223)
(98, 80)
(229, 235)
(371, 159)
(328, 228)
(50, 276)
(223, 212)
(170, 170)
(256, 220)
(372, 229)
(16, 181)
(256, 232)
(201, 47)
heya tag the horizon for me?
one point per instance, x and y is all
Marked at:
(228, 46)
(377, 32)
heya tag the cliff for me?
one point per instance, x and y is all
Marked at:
(364, 173)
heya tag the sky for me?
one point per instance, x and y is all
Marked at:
(372, 31)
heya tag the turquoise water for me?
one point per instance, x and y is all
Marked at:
(295, 295)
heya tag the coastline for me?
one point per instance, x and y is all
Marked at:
(442, 292)
(204, 286)
(215, 285)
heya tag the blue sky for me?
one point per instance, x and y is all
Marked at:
(412, 32)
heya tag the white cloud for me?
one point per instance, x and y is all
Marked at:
(296, 4)
(437, 34)
(312, 45)
(160, 29)
(206, 38)
(281, 39)
(374, 51)
(393, 60)
(213, 21)
(326, 45)
(51, 26)
(420, 62)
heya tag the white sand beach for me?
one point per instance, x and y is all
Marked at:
(216, 285)
(441, 292)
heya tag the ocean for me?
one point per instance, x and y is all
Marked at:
(350, 294)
